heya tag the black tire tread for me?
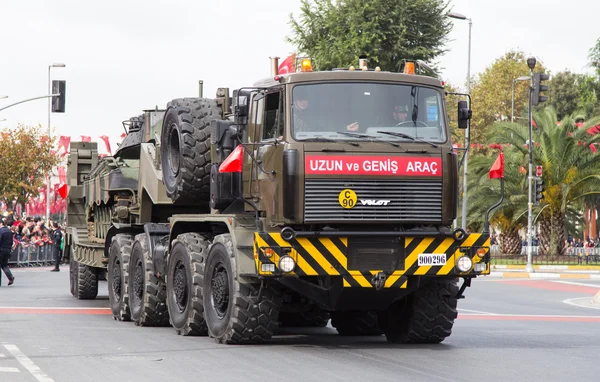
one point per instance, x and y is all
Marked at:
(197, 248)
(433, 314)
(154, 310)
(355, 323)
(86, 282)
(253, 319)
(194, 115)
(125, 243)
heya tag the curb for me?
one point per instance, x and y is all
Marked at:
(543, 275)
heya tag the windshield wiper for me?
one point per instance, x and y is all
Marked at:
(320, 138)
(402, 135)
(372, 138)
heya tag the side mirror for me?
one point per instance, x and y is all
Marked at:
(241, 109)
(464, 114)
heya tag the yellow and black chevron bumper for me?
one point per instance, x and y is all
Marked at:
(332, 256)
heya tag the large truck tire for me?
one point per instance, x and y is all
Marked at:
(304, 319)
(147, 293)
(118, 276)
(356, 323)
(425, 316)
(185, 277)
(236, 313)
(73, 276)
(185, 149)
(83, 280)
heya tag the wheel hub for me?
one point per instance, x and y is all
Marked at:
(138, 282)
(116, 281)
(220, 290)
(180, 286)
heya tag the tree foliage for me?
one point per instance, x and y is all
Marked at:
(594, 57)
(570, 169)
(26, 159)
(335, 33)
(563, 93)
(491, 92)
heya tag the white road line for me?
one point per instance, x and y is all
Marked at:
(576, 283)
(476, 311)
(581, 302)
(28, 364)
(9, 370)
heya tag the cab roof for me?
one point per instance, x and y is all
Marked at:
(348, 75)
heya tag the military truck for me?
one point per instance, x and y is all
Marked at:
(305, 196)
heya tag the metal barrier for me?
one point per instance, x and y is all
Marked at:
(573, 256)
(32, 255)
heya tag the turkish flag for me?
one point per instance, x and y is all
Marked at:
(105, 139)
(62, 176)
(497, 170)
(233, 163)
(64, 142)
(288, 65)
(62, 191)
(85, 138)
(123, 135)
(593, 148)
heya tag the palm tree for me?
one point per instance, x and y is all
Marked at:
(571, 169)
(511, 215)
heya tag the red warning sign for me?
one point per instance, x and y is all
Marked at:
(372, 165)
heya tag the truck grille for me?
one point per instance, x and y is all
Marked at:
(410, 200)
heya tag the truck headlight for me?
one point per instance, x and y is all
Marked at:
(464, 263)
(286, 264)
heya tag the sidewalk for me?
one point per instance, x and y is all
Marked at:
(547, 272)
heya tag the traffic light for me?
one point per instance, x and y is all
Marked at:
(58, 102)
(538, 88)
(539, 190)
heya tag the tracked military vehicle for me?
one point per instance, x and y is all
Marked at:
(306, 194)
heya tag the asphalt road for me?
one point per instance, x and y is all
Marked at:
(507, 330)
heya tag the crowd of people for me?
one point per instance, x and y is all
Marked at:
(15, 231)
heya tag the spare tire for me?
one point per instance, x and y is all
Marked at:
(185, 149)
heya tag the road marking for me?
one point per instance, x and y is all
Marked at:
(28, 364)
(474, 311)
(528, 317)
(51, 310)
(9, 370)
(581, 302)
(576, 283)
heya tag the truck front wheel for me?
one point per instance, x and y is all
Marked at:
(425, 316)
(236, 313)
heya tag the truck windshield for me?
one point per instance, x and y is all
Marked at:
(372, 109)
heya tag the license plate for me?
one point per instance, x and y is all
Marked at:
(435, 259)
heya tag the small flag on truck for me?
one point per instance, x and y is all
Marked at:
(497, 170)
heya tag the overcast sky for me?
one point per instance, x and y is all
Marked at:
(128, 55)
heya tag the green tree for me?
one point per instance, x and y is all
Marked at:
(588, 91)
(594, 57)
(336, 33)
(26, 159)
(563, 93)
(492, 93)
(571, 169)
(511, 215)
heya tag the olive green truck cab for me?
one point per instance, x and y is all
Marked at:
(306, 197)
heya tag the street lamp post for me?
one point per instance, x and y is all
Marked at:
(523, 78)
(531, 61)
(54, 65)
(459, 16)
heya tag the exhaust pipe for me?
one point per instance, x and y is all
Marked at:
(274, 65)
